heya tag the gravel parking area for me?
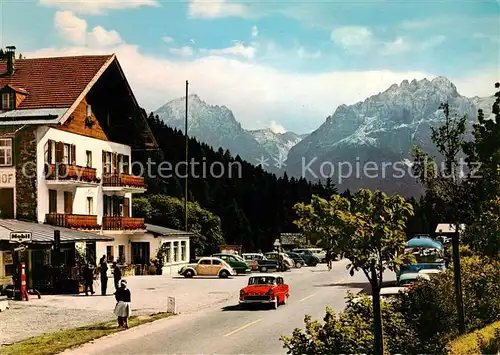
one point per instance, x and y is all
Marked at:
(149, 295)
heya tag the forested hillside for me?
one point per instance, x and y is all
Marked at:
(254, 206)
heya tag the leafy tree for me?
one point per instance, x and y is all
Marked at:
(448, 185)
(168, 212)
(369, 230)
(483, 231)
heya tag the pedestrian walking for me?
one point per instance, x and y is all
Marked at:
(103, 268)
(329, 258)
(123, 306)
(117, 275)
(88, 278)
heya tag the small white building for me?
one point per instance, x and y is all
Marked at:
(139, 248)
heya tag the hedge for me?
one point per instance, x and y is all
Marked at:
(482, 341)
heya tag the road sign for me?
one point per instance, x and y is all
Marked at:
(20, 237)
(21, 248)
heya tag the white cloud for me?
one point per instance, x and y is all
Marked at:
(276, 127)
(353, 37)
(97, 7)
(238, 49)
(479, 35)
(71, 27)
(304, 54)
(183, 51)
(255, 31)
(210, 9)
(404, 45)
(257, 92)
(74, 29)
(167, 39)
(103, 38)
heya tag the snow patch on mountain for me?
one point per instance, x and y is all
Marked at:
(277, 145)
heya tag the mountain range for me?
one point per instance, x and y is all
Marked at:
(217, 126)
(368, 144)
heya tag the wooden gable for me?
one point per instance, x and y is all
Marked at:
(79, 123)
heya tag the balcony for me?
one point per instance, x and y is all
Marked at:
(70, 174)
(75, 221)
(123, 182)
(122, 223)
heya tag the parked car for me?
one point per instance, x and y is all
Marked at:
(282, 258)
(297, 259)
(388, 293)
(265, 289)
(415, 268)
(309, 257)
(235, 261)
(252, 260)
(208, 266)
(263, 264)
(316, 252)
(409, 278)
(431, 272)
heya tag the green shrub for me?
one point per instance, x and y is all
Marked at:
(482, 341)
(351, 331)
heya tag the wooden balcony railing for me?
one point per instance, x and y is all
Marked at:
(122, 223)
(123, 180)
(75, 221)
(66, 172)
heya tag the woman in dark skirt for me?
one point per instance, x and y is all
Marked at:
(123, 307)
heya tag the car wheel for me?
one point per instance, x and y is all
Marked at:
(298, 264)
(275, 303)
(323, 260)
(263, 269)
(188, 274)
(224, 274)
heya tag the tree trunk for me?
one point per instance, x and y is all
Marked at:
(377, 314)
(458, 281)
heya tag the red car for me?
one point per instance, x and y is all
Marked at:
(265, 289)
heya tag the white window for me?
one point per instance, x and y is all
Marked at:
(67, 152)
(6, 152)
(6, 101)
(89, 110)
(90, 206)
(89, 159)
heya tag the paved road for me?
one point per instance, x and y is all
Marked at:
(231, 330)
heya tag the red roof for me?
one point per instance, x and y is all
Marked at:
(52, 82)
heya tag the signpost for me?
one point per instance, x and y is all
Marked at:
(20, 238)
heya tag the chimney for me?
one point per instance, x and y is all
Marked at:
(10, 53)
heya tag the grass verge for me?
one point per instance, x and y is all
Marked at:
(482, 341)
(54, 343)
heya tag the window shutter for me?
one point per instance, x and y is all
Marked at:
(49, 153)
(126, 207)
(104, 168)
(59, 152)
(73, 154)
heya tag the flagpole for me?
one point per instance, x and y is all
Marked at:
(186, 176)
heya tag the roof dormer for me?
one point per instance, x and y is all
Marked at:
(11, 97)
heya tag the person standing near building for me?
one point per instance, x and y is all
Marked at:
(123, 307)
(117, 275)
(103, 268)
(88, 278)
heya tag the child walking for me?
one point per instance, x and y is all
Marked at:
(123, 307)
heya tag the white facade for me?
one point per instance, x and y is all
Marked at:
(80, 192)
(178, 248)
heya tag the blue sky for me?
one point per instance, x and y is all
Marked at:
(282, 63)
